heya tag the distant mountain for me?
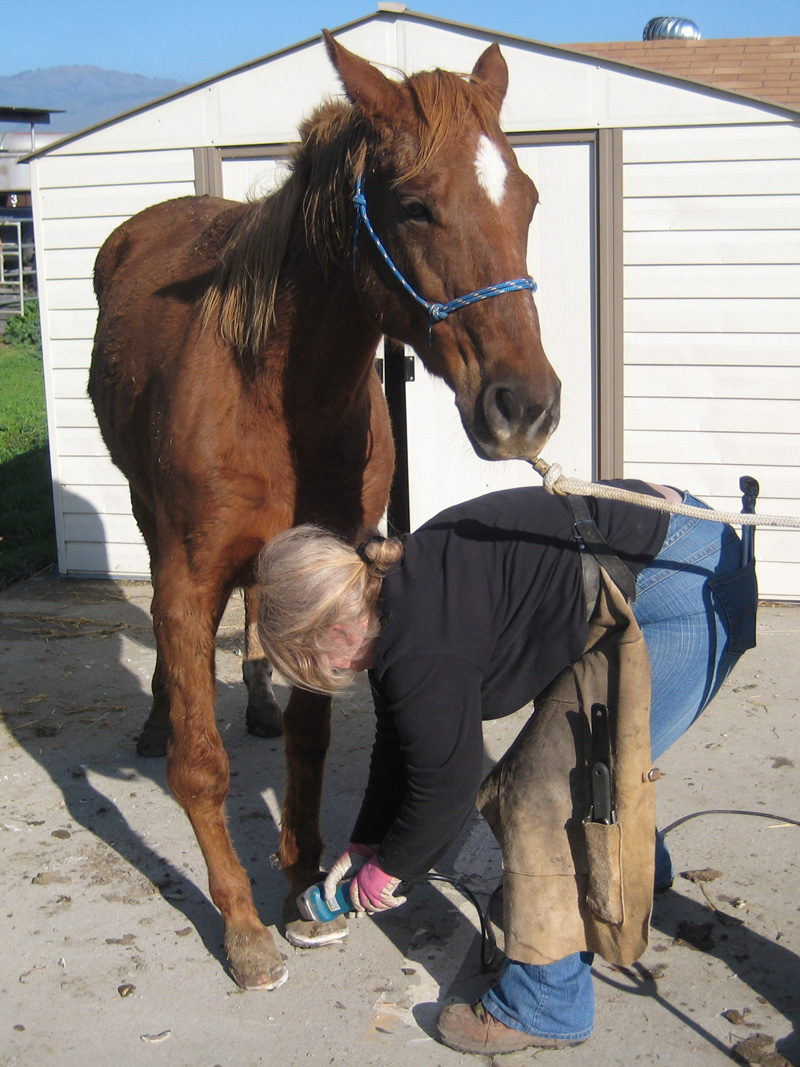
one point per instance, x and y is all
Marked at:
(87, 95)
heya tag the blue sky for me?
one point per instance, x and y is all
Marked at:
(189, 40)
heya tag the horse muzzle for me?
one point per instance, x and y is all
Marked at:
(512, 421)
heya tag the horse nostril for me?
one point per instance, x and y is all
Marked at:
(504, 402)
(502, 410)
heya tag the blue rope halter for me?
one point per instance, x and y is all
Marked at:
(436, 312)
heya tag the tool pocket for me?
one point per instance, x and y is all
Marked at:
(736, 596)
(604, 894)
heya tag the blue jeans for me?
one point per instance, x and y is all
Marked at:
(696, 608)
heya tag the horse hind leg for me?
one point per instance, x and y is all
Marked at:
(198, 772)
(264, 717)
(157, 731)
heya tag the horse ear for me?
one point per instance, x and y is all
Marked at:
(491, 70)
(375, 95)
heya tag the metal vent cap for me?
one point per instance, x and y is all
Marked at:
(667, 27)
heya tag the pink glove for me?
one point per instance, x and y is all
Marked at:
(373, 890)
(350, 861)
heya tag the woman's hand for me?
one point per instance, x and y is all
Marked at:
(373, 890)
(349, 863)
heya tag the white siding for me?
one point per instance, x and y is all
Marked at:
(80, 200)
(712, 321)
(712, 271)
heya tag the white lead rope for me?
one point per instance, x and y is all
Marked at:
(557, 483)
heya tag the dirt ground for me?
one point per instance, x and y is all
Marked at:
(112, 950)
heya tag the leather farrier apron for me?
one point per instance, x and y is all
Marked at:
(572, 883)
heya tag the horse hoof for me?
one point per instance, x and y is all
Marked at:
(254, 961)
(264, 720)
(316, 934)
(153, 741)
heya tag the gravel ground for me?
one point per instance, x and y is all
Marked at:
(112, 949)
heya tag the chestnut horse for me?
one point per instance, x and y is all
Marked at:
(233, 381)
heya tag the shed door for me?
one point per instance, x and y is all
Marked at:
(442, 468)
(252, 176)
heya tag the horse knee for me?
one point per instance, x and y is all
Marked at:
(198, 771)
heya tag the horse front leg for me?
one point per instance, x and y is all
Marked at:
(264, 717)
(307, 734)
(198, 776)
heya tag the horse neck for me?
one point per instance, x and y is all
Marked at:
(329, 343)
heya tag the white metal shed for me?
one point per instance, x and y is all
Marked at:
(665, 248)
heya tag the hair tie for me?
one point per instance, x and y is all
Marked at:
(362, 549)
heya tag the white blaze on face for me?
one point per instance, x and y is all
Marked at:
(491, 169)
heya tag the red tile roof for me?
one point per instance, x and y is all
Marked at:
(764, 67)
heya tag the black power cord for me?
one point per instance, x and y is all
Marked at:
(729, 811)
(489, 949)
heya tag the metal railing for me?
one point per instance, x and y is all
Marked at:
(17, 265)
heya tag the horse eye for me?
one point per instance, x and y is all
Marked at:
(416, 209)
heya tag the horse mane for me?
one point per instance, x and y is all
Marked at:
(336, 143)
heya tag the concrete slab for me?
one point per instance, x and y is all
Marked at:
(112, 949)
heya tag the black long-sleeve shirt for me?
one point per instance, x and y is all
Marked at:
(484, 611)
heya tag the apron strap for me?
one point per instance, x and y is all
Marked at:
(595, 553)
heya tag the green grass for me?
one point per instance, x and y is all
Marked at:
(27, 526)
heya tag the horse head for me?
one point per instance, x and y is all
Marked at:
(442, 213)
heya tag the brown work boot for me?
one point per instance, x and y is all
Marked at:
(471, 1028)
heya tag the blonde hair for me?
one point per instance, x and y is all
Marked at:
(311, 581)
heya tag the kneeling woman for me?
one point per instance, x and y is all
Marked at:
(470, 618)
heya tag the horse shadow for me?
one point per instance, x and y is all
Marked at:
(78, 715)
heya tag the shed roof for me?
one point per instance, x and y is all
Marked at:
(763, 67)
(626, 61)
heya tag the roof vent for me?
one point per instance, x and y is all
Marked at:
(665, 27)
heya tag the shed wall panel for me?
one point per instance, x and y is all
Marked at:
(69, 354)
(709, 447)
(64, 263)
(75, 412)
(778, 580)
(721, 349)
(100, 527)
(89, 470)
(694, 144)
(714, 383)
(112, 559)
(751, 417)
(119, 168)
(89, 201)
(100, 499)
(718, 246)
(82, 441)
(746, 177)
(81, 233)
(724, 281)
(71, 294)
(713, 213)
(718, 315)
(73, 325)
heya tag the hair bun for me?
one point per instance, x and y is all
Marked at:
(380, 553)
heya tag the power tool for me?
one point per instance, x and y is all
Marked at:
(314, 907)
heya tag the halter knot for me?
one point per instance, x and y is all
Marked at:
(551, 477)
(438, 312)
